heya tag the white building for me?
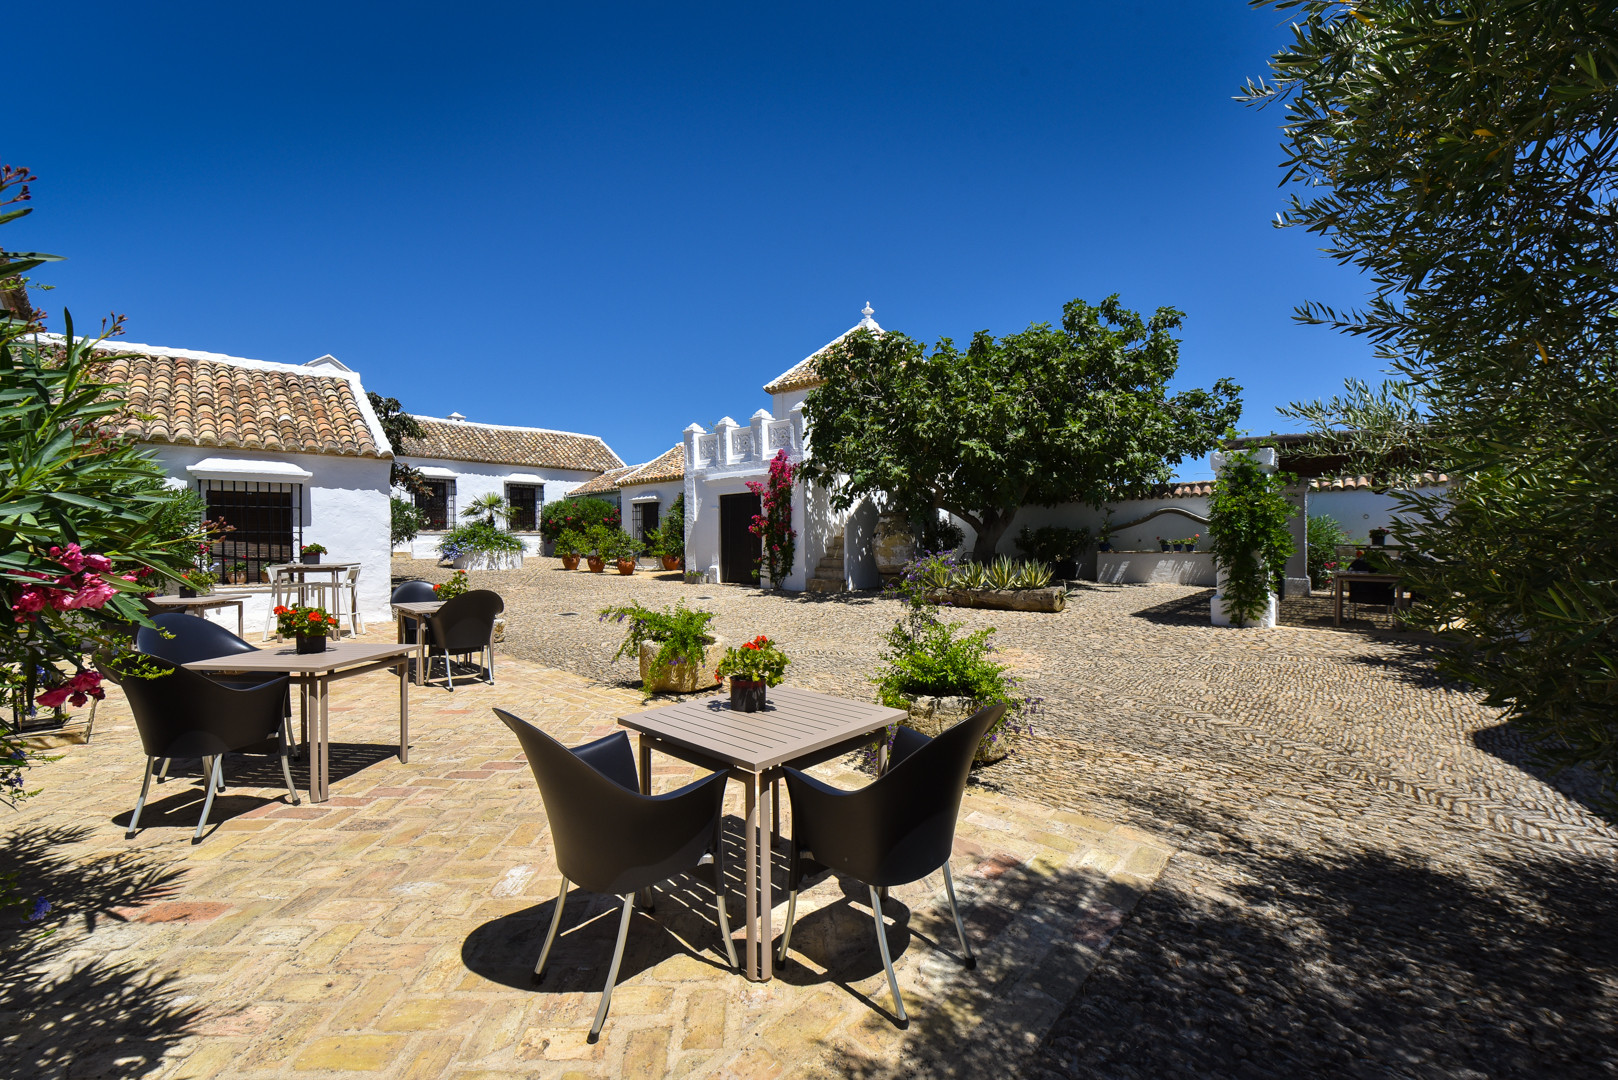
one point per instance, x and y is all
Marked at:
(287, 454)
(526, 466)
(644, 493)
(834, 548)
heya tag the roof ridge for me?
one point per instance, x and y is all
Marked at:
(140, 349)
(510, 427)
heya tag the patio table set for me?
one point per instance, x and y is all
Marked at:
(611, 832)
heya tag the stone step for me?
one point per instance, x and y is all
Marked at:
(824, 585)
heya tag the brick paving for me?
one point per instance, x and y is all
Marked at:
(1371, 877)
(390, 932)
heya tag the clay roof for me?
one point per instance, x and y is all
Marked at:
(670, 465)
(208, 399)
(600, 485)
(1194, 488)
(803, 375)
(498, 444)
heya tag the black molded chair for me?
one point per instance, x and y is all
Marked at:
(612, 839)
(1379, 593)
(414, 591)
(181, 638)
(463, 625)
(895, 830)
(186, 714)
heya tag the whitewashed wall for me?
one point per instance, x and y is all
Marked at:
(1358, 512)
(665, 492)
(475, 478)
(345, 508)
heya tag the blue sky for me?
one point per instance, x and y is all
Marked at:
(628, 217)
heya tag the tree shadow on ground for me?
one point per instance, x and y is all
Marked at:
(73, 1014)
(1322, 963)
(1507, 743)
(1188, 610)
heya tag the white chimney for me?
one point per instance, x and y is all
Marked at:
(457, 417)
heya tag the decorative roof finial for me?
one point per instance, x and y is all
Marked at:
(867, 310)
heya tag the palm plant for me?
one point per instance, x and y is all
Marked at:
(489, 506)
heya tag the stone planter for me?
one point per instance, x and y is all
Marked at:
(499, 629)
(934, 715)
(489, 560)
(682, 678)
(1052, 598)
(894, 546)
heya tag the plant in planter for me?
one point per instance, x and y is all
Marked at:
(939, 676)
(1165, 545)
(676, 648)
(197, 583)
(1379, 537)
(693, 577)
(311, 553)
(1104, 536)
(482, 543)
(595, 539)
(671, 536)
(238, 573)
(455, 586)
(753, 667)
(569, 545)
(619, 547)
(308, 626)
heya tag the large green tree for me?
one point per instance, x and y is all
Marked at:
(1464, 154)
(1076, 413)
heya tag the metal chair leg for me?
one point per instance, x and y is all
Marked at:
(612, 972)
(449, 672)
(719, 902)
(286, 773)
(550, 935)
(215, 775)
(960, 927)
(163, 773)
(140, 803)
(786, 931)
(887, 961)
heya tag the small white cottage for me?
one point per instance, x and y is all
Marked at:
(287, 454)
(528, 467)
(643, 493)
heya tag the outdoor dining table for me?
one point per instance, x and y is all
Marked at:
(190, 604)
(797, 727)
(1340, 577)
(417, 612)
(302, 572)
(314, 673)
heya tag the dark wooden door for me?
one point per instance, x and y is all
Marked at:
(739, 550)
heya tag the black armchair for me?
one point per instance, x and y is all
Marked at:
(185, 714)
(895, 830)
(612, 839)
(180, 638)
(465, 624)
(414, 591)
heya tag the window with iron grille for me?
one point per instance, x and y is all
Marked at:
(265, 519)
(438, 504)
(643, 519)
(524, 500)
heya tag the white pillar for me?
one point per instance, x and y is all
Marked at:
(722, 453)
(759, 422)
(1265, 458)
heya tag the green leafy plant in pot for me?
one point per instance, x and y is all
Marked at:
(753, 667)
(685, 648)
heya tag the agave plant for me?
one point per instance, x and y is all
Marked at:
(1034, 574)
(969, 576)
(936, 576)
(1002, 573)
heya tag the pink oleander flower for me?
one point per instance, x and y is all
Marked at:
(92, 594)
(71, 557)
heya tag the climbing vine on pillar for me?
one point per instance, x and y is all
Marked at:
(1247, 516)
(774, 525)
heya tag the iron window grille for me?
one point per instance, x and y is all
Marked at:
(438, 504)
(524, 500)
(643, 519)
(266, 522)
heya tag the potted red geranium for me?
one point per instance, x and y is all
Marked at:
(310, 554)
(308, 626)
(753, 667)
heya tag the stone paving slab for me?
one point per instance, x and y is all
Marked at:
(390, 931)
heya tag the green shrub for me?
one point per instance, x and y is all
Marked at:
(1052, 543)
(477, 538)
(408, 520)
(1248, 515)
(580, 514)
(1324, 533)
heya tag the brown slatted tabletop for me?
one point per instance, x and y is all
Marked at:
(795, 725)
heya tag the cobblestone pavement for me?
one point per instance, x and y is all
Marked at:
(391, 931)
(1372, 879)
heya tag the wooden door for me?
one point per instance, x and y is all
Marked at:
(739, 550)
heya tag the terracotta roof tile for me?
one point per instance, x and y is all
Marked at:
(497, 444)
(667, 466)
(1363, 483)
(192, 401)
(600, 485)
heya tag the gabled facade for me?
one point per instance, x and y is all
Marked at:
(528, 467)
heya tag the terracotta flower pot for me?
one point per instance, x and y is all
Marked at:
(671, 562)
(308, 644)
(626, 566)
(570, 562)
(596, 565)
(748, 695)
